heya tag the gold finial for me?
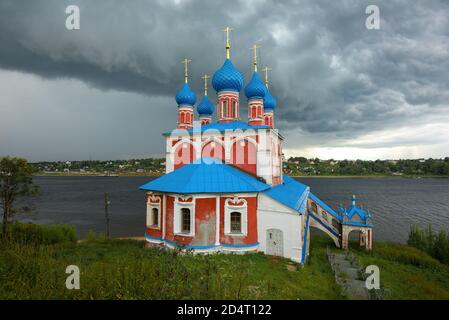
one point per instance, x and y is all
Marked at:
(266, 69)
(205, 77)
(228, 44)
(186, 62)
(254, 49)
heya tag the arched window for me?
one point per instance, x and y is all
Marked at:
(234, 109)
(314, 207)
(185, 220)
(236, 222)
(155, 216)
(224, 106)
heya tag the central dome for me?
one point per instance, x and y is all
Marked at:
(227, 78)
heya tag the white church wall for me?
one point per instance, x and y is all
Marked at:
(274, 215)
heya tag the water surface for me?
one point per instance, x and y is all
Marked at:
(396, 203)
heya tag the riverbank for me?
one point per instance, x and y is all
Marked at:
(124, 269)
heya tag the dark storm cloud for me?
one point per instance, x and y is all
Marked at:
(330, 74)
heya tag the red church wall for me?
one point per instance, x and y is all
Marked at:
(217, 151)
(245, 156)
(251, 236)
(184, 154)
(204, 222)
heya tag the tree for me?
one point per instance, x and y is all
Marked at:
(16, 181)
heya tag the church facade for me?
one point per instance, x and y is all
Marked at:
(224, 190)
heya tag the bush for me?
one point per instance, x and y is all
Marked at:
(436, 244)
(29, 233)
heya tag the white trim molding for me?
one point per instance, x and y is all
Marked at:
(184, 203)
(153, 202)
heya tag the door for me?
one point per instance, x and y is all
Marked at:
(275, 242)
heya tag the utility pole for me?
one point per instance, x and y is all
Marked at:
(106, 212)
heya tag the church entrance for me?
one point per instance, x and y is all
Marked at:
(275, 242)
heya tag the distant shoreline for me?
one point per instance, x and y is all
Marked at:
(293, 176)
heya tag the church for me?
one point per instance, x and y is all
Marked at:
(224, 189)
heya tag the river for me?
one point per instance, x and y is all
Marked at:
(396, 203)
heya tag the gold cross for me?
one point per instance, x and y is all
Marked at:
(266, 69)
(205, 77)
(227, 30)
(186, 62)
(254, 49)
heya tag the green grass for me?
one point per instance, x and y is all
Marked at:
(124, 269)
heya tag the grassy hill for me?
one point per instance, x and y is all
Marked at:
(124, 269)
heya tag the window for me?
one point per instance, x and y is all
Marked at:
(324, 214)
(155, 217)
(314, 207)
(234, 109)
(185, 220)
(224, 106)
(236, 222)
(184, 216)
(236, 217)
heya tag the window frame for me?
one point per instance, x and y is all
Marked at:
(177, 217)
(243, 210)
(150, 219)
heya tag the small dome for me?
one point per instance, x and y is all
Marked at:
(227, 77)
(205, 107)
(269, 102)
(185, 96)
(255, 88)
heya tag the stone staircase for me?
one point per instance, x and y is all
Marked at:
(348, 275)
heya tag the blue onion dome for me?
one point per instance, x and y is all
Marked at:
(185, 96)
(227, 77)
(205, 108)
(255, 88)
(269, 102)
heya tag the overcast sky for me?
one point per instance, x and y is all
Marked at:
(106, 91)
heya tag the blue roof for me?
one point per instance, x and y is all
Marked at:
(290, 193)
(255, 88)
(221, 127)
(324, 206)
(205, 107)
(269, 102)
(227, 78)
(206, 175)
(185, 96)
(353, 210)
